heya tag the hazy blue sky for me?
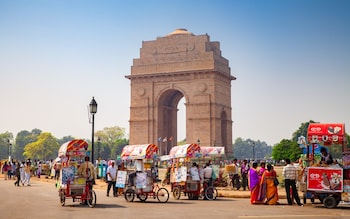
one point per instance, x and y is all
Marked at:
(291, 59)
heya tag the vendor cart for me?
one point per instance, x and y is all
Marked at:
(330, 183)
(143, 181)
(215, 155)
(70, 184)
(181, 179)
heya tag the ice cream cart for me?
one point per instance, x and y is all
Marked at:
(330, 183)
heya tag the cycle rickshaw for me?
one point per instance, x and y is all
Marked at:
(215, 156)
(143, 182)
(181, 178)
(71, 185)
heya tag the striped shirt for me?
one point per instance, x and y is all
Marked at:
(289, 172)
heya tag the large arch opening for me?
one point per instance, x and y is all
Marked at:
(168, 119)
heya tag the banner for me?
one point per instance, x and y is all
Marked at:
(121, 179)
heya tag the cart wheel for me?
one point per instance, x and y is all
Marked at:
(91, 199)
(330, 202)
(211, 193)
(129, 195)
(142, 197)
(62, 198)
(176, 193)
(163, 195)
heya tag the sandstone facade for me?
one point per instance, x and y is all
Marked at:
(178, 65)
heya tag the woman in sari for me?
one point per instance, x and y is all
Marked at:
(254, 184)
(268, 190)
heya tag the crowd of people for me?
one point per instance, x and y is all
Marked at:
(262, 181)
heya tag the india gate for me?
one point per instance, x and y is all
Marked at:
(175, 66)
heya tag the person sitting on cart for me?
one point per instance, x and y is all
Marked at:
(194, 172)
(208, 173)
(326, 158)
(87, 170)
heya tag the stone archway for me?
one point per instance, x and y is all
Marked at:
(178, 65)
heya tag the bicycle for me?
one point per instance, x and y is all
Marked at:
(209, 192)
(160, 193)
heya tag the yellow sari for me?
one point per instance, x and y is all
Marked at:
(268, 190)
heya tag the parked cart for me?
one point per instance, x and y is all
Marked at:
(182, 179)
(330, 183)
(143, 182)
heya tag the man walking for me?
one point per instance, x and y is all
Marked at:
(235, 177)
(244, 172)
(290, 175)
(111, 178)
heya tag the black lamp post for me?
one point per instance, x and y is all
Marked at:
(93, 110)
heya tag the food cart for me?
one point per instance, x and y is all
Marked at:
(329, 183)
(180, 179)
(70, 184)
(143, 182)
(215, 156)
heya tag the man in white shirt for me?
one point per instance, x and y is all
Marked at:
(207, 173)
(111, 178)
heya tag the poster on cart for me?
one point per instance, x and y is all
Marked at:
(181, 174)
(121, 178)
(325, 179)
(141, 182)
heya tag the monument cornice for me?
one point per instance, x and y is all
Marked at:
(169, 76)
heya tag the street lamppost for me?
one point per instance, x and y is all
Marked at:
(98, 148)
(93, 110)
(9, 149)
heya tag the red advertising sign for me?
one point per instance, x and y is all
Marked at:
(325, 179)
(326, 133)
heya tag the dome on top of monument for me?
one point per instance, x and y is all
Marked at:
(179, 31)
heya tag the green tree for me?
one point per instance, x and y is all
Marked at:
(112, 140)
(302, 131)
(23, 138)
(249, 149)
(44, 148)
(286, 149)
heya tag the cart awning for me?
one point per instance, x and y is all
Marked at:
(326, 133)
(77, 147)
(144, 151)
(187, 150)
(212, 151)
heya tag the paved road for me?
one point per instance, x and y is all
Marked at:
(41, 201)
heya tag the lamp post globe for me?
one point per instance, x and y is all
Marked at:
(93, 110)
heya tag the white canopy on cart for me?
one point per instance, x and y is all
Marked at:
(77, 147)
(143, 151)
(212, 151)
(187, 150)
